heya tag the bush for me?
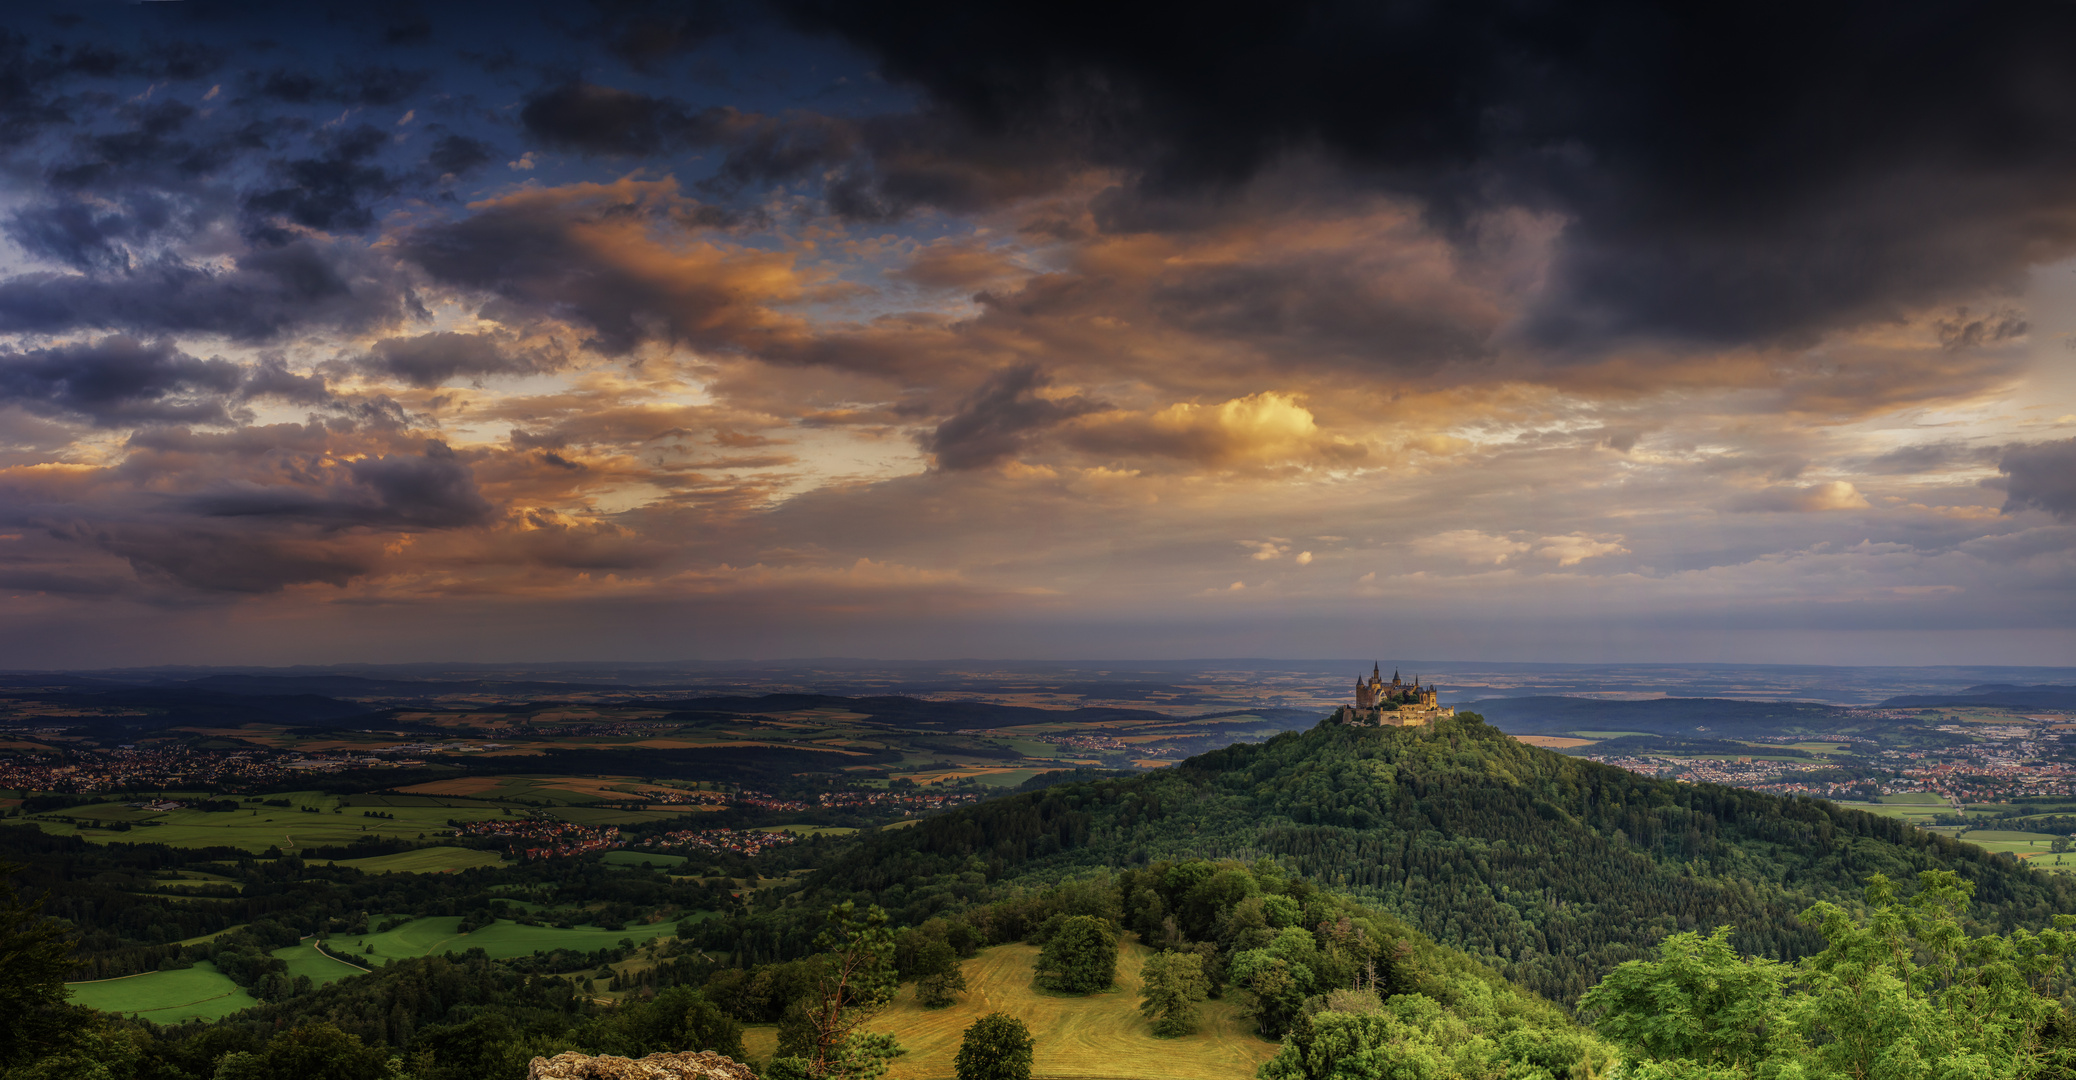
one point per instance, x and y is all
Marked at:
(1174, 988)
(939, 980)
(1080, 956)
(997, 1047)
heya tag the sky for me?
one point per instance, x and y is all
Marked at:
(1603, 331)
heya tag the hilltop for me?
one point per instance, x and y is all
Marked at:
(1550, 868)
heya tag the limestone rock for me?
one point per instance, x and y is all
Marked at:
(704, 1065)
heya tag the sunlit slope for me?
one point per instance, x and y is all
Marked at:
(1102, 1035)
(1552, 868)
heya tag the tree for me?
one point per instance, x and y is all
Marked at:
(1699, 1001)
(316, 1052)
(939, 979)
(35, 956)
(1080, 957)
(1900, 992)
(997, 1047)
(1172, 988)
(858, 981)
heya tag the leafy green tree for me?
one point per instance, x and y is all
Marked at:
(1905, 987)
(1698, 1001)
(1900, 993)
(316, 1052)
(1276, 988)
(1080, 956)
(939, 978)
(1172, 990)
(996, 1047)
(35, 956)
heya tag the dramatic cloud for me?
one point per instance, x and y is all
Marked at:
(431, 359)
(996, 421)
(2042, 477)
(918, 328)
(1872, 157)
(628, 261)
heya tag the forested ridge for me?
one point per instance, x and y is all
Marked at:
(1552, 868)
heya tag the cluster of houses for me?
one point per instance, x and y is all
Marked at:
(533, 838)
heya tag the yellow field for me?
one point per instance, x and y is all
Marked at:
(1552, 742)
(1101, 1036)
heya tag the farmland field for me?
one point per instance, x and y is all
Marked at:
(433, 860)
(303, 958)
(167, 997)
(1102, 1035)
(640, 858)
(501, 940)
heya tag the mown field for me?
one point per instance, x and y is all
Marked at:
(167, 997)
(1102, 1035)
(303, 958)
(501, 940)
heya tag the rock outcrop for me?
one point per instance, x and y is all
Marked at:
(704, 1065)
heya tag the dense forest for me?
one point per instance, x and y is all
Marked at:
(1552, 868)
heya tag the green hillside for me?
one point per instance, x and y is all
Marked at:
(1552, 868)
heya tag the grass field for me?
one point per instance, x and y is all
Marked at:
(1102, 1035)
(167, 997)
(304, 959)
(255, 827)
(642, 858)
(432, 860)
(501, 940)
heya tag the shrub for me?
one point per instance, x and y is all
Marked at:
(1080, 957)
(1174, 987)
(997, 1047)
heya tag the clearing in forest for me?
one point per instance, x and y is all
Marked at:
(1099, 1036)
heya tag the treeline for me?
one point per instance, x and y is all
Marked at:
(1280, 945)
(1551, 868)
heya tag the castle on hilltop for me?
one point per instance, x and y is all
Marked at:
(1393, 704)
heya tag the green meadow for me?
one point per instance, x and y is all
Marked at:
(643, 858)
(255, 827)
(167, 997)
(501, 940)
(304, 959)
(432, 860)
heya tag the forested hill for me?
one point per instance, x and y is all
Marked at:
(1554, 868)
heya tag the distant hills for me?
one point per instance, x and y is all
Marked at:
(1720, 717)
(1992, 695)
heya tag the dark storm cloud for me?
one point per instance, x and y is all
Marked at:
(333, 190)
(2042, 477)
(1930, 457)
(1731, 172)
(433, 491)
(370, 85)
(268, 291)
(602, 120)
(120, 381)
(237, 561)
(1000, 418)
(455, 155)
(431, 359)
